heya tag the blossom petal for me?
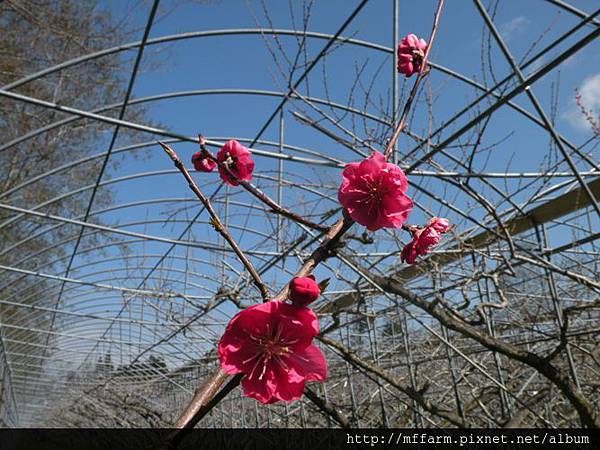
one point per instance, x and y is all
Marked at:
(352, 192)
(289, 385)
(236, 349)
(254, 320)
(310, 363)
(237, 355)
(298, 325)
(372, 165)
(409, 253)
(241, 168)
(259, 387)
(412, 40)
(396, 209)
(350, 170)
(439, 224)
(394, 176)
(368, 215)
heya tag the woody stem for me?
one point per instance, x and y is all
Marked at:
(264, 197)
(404, 115)
(216, 222)
(208, 396)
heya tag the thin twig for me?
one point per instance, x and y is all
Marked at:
(402, 123)
(414, 394)
(216, 222)
(276, 208)
(200, 404)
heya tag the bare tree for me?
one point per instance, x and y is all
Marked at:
(497, 327)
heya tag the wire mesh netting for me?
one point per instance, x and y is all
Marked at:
(115, 287)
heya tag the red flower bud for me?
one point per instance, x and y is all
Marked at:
(202, 161)
(411, 51)
(424, 238)
(304, 290)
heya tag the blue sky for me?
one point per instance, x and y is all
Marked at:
(243, 62)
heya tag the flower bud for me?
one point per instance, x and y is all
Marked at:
(304, 290)
(411, 51)
(424, 238)
(202, 161)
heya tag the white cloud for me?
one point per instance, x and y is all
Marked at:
(513, 26)
(590, 99)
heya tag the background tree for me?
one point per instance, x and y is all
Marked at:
(36, 35)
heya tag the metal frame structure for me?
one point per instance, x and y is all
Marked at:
(117, 299)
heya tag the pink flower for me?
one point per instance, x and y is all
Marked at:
(203, 162)
(304, 290)
(271, 344)
(424, 238)
(239, 161)
(411, 51)
(438, 224)
(372, 193)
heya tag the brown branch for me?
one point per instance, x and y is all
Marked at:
(201, 402)
(586, 411)
(204, 393)
(327, 248)
(216, 222)
(327, 408)
(276, 208)
(206, 397)
(414, 394)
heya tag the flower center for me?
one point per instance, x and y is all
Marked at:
(230, 161)
(374, 191)
(417, 56)
(269, 346)
(269, 349)
(272, 348)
